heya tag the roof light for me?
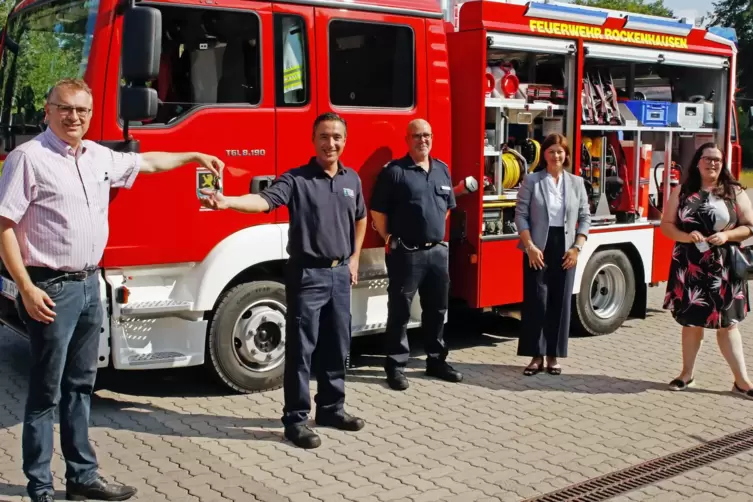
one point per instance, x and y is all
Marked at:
(721, 40)
(566, 13)
(654, 25)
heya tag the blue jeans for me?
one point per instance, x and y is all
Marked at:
(318, 319)
(63, 370)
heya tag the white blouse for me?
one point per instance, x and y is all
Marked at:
(555, 199)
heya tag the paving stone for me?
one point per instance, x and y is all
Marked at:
(496, 436)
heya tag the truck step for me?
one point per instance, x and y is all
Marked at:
(145, 359)
(150, 308)
(365, 329)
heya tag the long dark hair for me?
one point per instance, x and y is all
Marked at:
(725, 186)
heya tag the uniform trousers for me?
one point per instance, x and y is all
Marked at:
(63, 371)
(425, 271)
(547, 295)
(318, 319)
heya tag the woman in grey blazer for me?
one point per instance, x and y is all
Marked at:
(551, 202)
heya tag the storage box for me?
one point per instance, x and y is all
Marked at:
(650, 113)
(686, 115)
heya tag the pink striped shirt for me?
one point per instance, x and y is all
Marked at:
(59, 199)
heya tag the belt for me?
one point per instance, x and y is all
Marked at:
(51, 276)
(409, 246)
(309, 262)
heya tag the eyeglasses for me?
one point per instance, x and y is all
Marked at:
(68, 110)
(420, 136)
(712, 160)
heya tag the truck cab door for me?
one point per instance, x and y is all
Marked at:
(372, 70)
(215, 90)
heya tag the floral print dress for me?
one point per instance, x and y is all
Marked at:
(701, 291)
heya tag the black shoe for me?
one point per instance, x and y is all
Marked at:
(444, 371)
(303, 437)
(343, 422)
(98, 490)
(397, 380)
(678, 384)
(45, 497)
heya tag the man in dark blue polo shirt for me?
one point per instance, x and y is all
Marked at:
(327, 227)
(409, 206)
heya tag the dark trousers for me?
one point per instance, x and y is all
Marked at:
(425, 271)
(63, 370)
(318, 318)
(546, 302)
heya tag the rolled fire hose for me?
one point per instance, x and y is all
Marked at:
(514, 166)
(532, 154)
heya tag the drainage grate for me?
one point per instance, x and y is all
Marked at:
(653, 471)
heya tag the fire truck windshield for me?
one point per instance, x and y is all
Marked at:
(45, 42)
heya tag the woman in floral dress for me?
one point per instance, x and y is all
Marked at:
(706, 215)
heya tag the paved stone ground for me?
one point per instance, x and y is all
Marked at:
(497, 436)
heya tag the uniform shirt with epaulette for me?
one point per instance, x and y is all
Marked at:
(323, 210)
(415, 201)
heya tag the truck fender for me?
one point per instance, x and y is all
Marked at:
(640, 240)
(234, 254)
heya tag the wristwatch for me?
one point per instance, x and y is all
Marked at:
(578, 247)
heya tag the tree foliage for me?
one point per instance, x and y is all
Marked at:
(655, 8)
(5, 6)
(738, 14)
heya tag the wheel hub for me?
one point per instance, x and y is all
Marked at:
(259, 337)
(608, 290)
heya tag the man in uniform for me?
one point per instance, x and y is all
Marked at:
(409, 206)
(54, 197)
(327, 227)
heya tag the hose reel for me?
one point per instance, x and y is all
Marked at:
(514, 166)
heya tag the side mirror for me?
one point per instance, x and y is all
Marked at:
(750, 118)
(137, 103)
(142, 44)
(139, 63)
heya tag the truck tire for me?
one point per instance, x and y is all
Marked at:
(607, 291)
(246, 340)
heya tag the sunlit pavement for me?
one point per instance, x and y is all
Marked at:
(497, 436)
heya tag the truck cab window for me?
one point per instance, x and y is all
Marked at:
(291, 60)
(371, 65)
(209, 57)
(53, 42)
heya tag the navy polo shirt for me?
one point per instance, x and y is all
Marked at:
(323, 210)
(415, 201)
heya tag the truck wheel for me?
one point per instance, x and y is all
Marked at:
(246, 342)
(606, 295)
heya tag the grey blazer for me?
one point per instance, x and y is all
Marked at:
(531, 211)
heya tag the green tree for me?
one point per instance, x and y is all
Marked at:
(5, 6)
(738, 14)
(655, 8)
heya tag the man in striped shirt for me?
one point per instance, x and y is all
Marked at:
(54, 195)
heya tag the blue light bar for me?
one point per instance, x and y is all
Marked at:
(654, 25)
(728, 33)
(566, 13)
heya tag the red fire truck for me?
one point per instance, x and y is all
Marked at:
(244, 80)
